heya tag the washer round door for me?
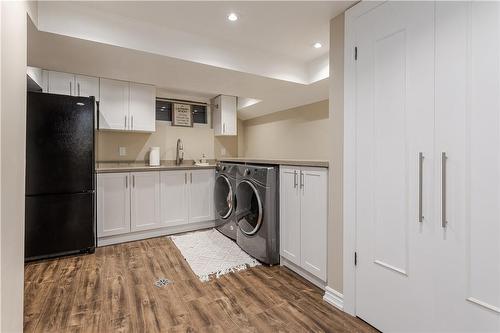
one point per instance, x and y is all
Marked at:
(249, 211)
(224, 197)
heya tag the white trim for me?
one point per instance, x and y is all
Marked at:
(302, 272)
(134, 236)
(334, 298)
(349, 195)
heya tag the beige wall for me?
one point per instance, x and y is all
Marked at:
(336, 126)
(299, 133)
(12, 167)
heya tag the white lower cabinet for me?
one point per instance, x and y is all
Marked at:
(138, 205)
(145, 201)
(174, 198)
(113, 204)
(303, 218)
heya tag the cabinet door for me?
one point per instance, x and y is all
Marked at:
(113, 204)
(201, 191)
(313, 186)
(61, 83)
(229, 117)
(87, 86)
(142, 107)
(467, 242)
(113, 104)
(145, 201)
(290, 214)
(174, 198)
(217, 115)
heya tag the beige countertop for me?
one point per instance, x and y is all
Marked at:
(113, 167)
(311, 163)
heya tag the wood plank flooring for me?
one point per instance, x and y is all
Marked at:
(113, 291)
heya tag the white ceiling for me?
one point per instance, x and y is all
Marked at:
(270, 45)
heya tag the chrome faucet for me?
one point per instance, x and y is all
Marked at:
(179, 156)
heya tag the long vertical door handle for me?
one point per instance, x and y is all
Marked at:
(131, 122)
(133, 180)
(126, 181)
(301, 179)
(185, 177)
(191, 177)
(444, 221)
(294, 178)
(223, 128)
(78, 88)
(420, 186)
(70, 89)
(125, 122)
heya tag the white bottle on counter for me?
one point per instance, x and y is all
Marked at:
(154, 156)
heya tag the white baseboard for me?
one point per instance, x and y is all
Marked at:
(302, 272)
(138, 235)
(334, 298)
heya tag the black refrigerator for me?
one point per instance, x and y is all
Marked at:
(60, 176)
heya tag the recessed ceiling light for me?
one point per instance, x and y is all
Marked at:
(317, 45)
(232, 17)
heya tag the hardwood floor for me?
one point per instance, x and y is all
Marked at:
(113, 291)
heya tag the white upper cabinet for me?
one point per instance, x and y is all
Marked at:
(174, 197)
(61, 83)
(142, 107)
(201, 189)
(113, 204)
(225, 119)
(114, 105)
(86, 86)
(145, 201)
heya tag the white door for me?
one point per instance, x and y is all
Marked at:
(394, 123)
(313, 219)
(201, 191)
(174, 197)
(61, 83)
(113, 204)
(142, 107)
(113, 104)
(290, 214)
(87, 86)
(467, 248)
(229, 118)
(145, 201)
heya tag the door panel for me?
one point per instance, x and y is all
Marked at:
(142, 107)
(467, 256)
(313, 217)
(145, 201)
(394, 112)
(174, 203)
(201, 189)
(87, 86)
(113, 104)
(61, 83)
(113, 204)
(290, 214)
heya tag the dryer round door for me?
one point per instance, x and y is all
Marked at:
(224, 197)
(249, 210)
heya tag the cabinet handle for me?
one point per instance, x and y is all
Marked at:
(126, 181)
(133, 180)
(420, 186)
(185, 178)
(191, 177)
(224, 128)
(70, 89)
(125, 122)
(78, 88)
(131, 122)
(301, 179)
(444, 221)
(294, 178)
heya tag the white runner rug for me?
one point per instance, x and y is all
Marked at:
(210, 253)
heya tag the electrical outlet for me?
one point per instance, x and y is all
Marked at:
(123, 151)
(223, 151)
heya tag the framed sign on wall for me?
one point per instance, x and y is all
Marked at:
(182, 115)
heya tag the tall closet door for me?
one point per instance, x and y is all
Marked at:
(467, 243)
(394, 124)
